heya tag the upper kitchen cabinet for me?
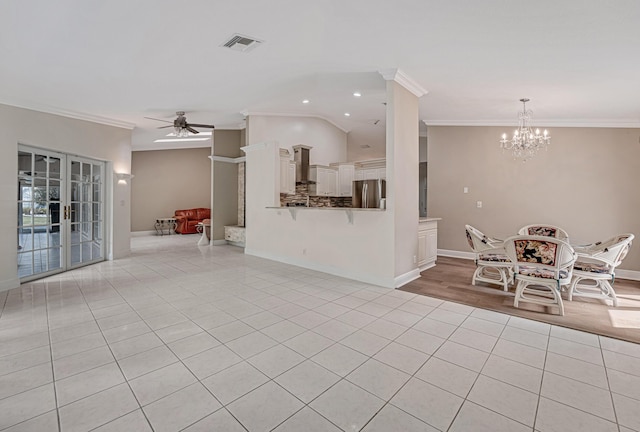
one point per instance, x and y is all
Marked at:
(374, 169)
(346, 173)
(287, 173)
(323, 181)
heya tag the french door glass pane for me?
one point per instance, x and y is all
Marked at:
(48, 184)
(86, 210)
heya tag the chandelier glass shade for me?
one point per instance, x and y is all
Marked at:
(525, 142)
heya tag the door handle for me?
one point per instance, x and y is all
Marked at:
(65, 217)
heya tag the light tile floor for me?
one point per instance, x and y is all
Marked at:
(178, 337)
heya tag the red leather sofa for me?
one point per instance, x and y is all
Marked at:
(187, 220)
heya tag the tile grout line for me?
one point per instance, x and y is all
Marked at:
(53, 372)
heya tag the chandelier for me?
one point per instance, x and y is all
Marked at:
(525, 143)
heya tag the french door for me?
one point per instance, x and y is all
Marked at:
(60, 212)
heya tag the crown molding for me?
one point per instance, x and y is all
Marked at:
(73, 114)
(404, 80)
(542, 123)
(227, 159)
(267, 114)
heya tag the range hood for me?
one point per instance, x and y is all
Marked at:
(301, 158)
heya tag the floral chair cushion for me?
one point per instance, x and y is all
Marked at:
(592, 267)
(536, 251)
(469, 239)
(541, 273)
(492, 257)
(542, 231)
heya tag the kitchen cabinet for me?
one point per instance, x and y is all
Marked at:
(287, 175)
(325, 181)
(370, 174)
(427, 243)
(345, 180)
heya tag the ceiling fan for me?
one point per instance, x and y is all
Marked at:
(181, 126)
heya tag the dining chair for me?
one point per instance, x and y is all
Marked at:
(542, 265)
(546, 230)
(493, 266)
(597, 263)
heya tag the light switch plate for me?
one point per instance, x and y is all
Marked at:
(465, 190)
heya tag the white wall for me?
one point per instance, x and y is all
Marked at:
(378, 246)
(329, 143)
(83, 138)
(373, 136)
(402, 178)
(586, 182)
(318, 239)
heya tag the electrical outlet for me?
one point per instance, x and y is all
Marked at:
(415, 259)
(479, 204)
(465, 190)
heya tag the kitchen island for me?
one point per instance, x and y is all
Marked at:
(349, 211)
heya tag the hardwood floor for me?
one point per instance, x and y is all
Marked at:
(450, 280)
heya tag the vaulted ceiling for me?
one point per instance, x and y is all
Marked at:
(121, 61)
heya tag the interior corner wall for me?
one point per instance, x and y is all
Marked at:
(166, 181)
(224, 211)
(366, 142)
(402, 177)
(66, 135)
(329, 143)
(586, 183)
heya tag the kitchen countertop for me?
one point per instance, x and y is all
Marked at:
(327, 208)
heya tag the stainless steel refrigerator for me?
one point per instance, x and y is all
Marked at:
(368, 193)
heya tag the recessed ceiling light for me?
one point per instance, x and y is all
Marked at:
(357, 94)
(347, 114)
(305, 101)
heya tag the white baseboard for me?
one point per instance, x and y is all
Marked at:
(628, 274)
(336, 271)
(427, 266)
(407, 277)
(456, 254)
(9, 284)
(219, 242)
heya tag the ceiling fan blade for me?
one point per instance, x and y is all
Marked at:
(202, 125)
(151, 118)
(163, 127)
(190, 129)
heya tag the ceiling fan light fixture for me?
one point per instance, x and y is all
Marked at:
(181, 132)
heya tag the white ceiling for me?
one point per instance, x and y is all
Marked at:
(577, 60)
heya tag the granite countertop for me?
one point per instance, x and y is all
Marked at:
(328, 208)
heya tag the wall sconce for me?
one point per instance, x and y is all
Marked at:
(123, 178)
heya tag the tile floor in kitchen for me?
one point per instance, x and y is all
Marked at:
(178, 337)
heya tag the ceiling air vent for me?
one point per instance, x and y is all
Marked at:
(241, 43)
